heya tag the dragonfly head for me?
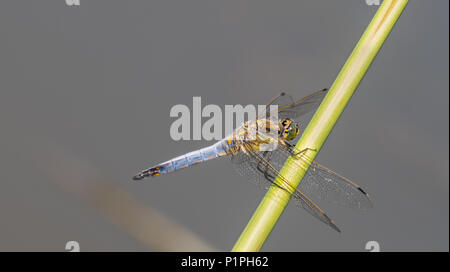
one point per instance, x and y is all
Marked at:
(288, 129)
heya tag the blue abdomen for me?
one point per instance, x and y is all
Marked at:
(219, 149)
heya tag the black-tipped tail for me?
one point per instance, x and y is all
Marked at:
(156, 171)
(139, 176)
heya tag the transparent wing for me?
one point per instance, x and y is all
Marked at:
(328, 185)
(319, 182)
(282, 99)
(288, 108)
(256, 167)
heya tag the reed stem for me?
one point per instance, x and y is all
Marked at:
(273, 204)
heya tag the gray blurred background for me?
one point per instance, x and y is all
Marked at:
(85, 98)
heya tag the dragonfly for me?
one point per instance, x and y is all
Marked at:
(259, 148)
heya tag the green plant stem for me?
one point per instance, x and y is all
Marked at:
(323, 121)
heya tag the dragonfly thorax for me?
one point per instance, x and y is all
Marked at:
(288, 129)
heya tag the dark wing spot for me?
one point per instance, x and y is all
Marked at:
(362, 191)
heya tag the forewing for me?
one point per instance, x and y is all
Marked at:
(281, 100)
(302, 106)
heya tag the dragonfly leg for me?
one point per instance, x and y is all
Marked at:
(269, 177)
(302, 151)
(290, 149)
